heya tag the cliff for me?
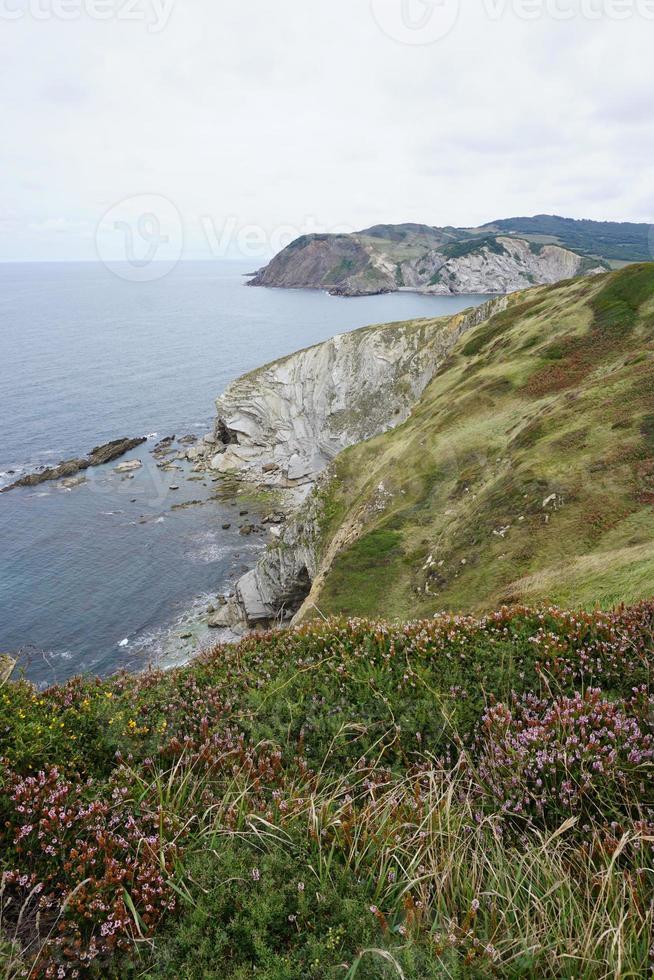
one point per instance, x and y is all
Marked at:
(281, 425)
(499, 258)
(503, 464)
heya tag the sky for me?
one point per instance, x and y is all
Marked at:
(225, 128)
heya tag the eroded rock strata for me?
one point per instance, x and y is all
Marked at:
(437, 261)
(281, 426)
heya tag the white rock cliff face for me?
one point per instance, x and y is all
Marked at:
(282, 425)
(514, 266)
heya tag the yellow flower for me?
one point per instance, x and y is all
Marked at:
(131, 723)
(108, 694)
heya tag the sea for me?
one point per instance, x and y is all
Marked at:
(114, 573)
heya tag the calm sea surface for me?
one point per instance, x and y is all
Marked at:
(107, 574)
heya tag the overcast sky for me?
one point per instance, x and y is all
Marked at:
(251, 121)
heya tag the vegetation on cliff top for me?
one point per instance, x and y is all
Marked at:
(450, 798)
(525, 473)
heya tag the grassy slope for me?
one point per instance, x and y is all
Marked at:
(553, 397)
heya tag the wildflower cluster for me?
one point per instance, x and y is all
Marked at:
(84, 855)
(395, 758)
(581, 756)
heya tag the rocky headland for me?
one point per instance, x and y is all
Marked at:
(500, 257)
(361, 265)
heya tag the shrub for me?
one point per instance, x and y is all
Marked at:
(415, 770)
(581, 756)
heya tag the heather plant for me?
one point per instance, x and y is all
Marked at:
(468, 797)
(90, 872)
(581, 756)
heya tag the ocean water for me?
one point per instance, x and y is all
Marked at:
(108, 574)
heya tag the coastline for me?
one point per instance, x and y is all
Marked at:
(157, 483)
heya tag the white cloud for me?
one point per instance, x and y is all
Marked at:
(246, 113)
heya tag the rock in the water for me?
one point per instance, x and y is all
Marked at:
(128, 466)
(72, 481)
(187, 504)
(67, 468)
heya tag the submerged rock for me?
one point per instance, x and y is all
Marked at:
(72, 481)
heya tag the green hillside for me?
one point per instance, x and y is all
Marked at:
(618, 240)
(526, 472)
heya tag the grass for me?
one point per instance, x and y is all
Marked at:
(349, 799)
(459, 250)
(527, 461)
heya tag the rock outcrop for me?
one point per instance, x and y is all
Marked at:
(283, 424)
(499, 265)
(68, 468)
(339, 263)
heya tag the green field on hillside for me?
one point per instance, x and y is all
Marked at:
(525, 473)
